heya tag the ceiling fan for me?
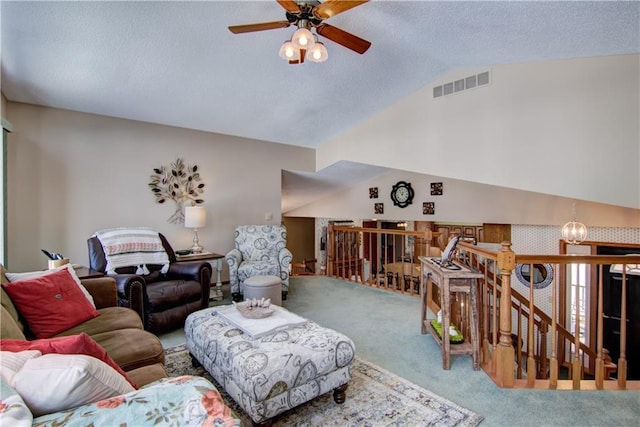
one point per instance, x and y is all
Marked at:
(307, 14)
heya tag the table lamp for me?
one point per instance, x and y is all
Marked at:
(194, 217)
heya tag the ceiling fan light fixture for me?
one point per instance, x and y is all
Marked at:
(289, 52)
(303, 38)
(318, 53)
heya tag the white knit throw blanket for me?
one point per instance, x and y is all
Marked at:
(132, 247)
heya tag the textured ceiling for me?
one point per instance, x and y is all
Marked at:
(176, 63)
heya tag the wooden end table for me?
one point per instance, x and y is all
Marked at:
(86, 273)
(213, 258)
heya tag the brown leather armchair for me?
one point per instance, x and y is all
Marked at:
(163, 301)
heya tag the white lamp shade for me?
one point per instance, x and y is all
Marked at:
(318, 53)
(194, 217)
(289, 52)
(303, 39)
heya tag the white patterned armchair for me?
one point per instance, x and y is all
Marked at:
(260, 250)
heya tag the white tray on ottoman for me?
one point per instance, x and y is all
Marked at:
(275, 372)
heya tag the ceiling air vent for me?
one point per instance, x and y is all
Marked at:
(461, 85)
(483, 78)
(470, 82)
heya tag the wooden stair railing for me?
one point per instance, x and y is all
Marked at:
(542, 321)
(391, 262)
(549, 351)
(533, 353)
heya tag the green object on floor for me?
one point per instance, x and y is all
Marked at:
(453, 339)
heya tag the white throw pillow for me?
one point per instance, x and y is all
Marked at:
(16, 277)
(56, 382)
(11, 363)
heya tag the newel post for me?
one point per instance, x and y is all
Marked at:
(504, 351)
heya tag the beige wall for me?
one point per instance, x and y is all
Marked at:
(301, 237)
(569, 128)
(71, 174)
(466, 202)
(3, 105)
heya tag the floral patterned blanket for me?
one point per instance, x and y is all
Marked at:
(179, 401)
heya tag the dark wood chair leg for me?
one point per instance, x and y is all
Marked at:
(340, 394)
(194, 362)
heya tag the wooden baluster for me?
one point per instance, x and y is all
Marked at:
(485, 304)
(360, 257)
(352, 270)
(531, 363)
(353, 260)
(331, 250)
(543, 330)
(622, 360)
(576, 366)
(518, 349)
(397, 275)
(494, 320)
(600, 354)
(347, 256)
(366, 237)
(504, 350)
(553, 376)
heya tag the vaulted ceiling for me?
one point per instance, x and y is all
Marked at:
(176, 63)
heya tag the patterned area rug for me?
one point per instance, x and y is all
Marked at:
(375, 397)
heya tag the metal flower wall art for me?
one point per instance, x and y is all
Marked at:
(179, 183)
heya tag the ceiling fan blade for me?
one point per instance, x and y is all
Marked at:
(289, 5)
(339, 36)
(237, 29)
(333, 7)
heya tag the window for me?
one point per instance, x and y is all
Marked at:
(578, 279)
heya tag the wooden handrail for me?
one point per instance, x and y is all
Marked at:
(596, 356)
(550, 345)
(517, 297)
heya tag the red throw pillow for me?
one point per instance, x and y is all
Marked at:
(50, 304)
(73, 344)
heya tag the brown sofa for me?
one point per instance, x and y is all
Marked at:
(117, 329)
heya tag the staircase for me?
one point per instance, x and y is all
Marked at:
(529, 338)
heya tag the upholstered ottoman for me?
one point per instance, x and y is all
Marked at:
(264, 287)
(276, 372)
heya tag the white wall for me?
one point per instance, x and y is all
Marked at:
(71, 174)
(568, 128)
(466, 202)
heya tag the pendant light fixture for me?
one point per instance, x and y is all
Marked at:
(303, 45)
(574, 232)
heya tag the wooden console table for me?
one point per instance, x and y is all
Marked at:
(449, 281)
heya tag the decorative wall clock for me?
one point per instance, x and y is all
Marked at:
(402, 194)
